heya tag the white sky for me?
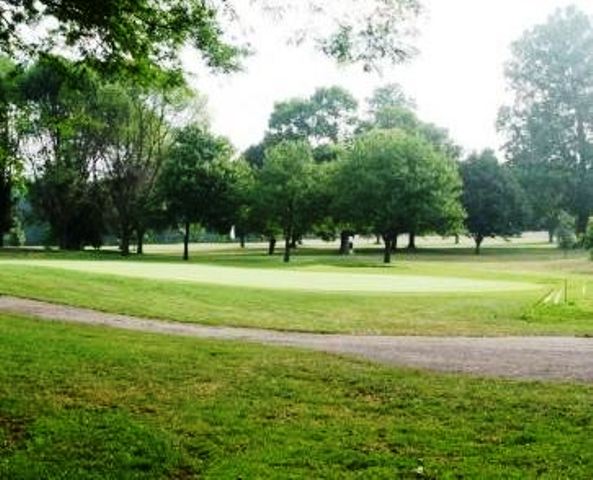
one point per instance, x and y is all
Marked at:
(457, 79)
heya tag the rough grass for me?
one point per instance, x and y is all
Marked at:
(85, 402)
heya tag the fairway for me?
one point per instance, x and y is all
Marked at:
(282, 279)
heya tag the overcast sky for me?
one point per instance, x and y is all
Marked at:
(457, 79)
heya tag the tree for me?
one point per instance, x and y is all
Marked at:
(328, 116)
(62, 147)
(138, 35)
(565, 235)
(389, 96)
(395, 182)
(549, 125)
(198, 182)
(135, 135)
(10, 162)
(283, 188)
(492, 197)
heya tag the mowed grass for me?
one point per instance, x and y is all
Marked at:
(464, 311)
(86, 402)
(312, 281)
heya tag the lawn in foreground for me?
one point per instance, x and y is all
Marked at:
(84, 402)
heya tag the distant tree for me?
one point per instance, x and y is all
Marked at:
(135, 136)
(588, 237)
(62, 148)
(198, 182)
(565, 231)
(394, 182)
(391, 95)
(283, 188)
(328, 116)
(492, 197)
(11, 167)
(549, 125)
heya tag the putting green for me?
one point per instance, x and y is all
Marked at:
(281, 278)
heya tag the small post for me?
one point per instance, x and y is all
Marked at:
(565, 291)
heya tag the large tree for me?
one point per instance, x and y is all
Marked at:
(135, 134)
(10, 163)
(492, 197)
(62, 148)
(284, 187)
(198, 182)
(396, 182)
(549, 125)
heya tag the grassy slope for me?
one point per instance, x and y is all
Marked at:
(439, 314)
(83, 402)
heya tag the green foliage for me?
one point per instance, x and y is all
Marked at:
(11, 167)
(283, 190)
(393, 182)
(565, 231)
(198, 181)
(134, 36)
(588, 236)
(390, 108)
(58, 96)
(492, 197)
(328, 116)
(390, 96)
(549, 125)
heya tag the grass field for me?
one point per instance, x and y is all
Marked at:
(92, 403)
(513, 288)
(84, 402)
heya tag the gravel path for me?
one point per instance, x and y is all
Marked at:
(559, 358)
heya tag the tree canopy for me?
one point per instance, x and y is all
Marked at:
(492, 197)
(549, 125)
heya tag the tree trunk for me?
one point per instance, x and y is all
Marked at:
(242, 241)
(412, 241)
(394, 244)
(378, 240)
(272, 246)
(140, 243)
(287, 247)
(387, 250)
(124, 244)
(582, 220)
(294, 242)
(550, 236)
(186, 242)
(1, 239)
(479, 239)
(344, 243)
(456, 239)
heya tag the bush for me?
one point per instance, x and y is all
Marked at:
(588, 237)
(565, 231)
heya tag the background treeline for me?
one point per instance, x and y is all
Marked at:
(95, 154)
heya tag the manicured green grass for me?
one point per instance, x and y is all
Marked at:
(312, 281)
(459, 313)
(86, 402)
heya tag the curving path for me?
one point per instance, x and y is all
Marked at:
(560, 358)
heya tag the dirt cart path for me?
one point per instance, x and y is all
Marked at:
(559, 358)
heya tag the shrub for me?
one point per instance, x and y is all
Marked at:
(565, 231)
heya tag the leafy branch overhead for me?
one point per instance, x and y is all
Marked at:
(142, 34)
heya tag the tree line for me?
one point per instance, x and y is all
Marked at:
(96, 152)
